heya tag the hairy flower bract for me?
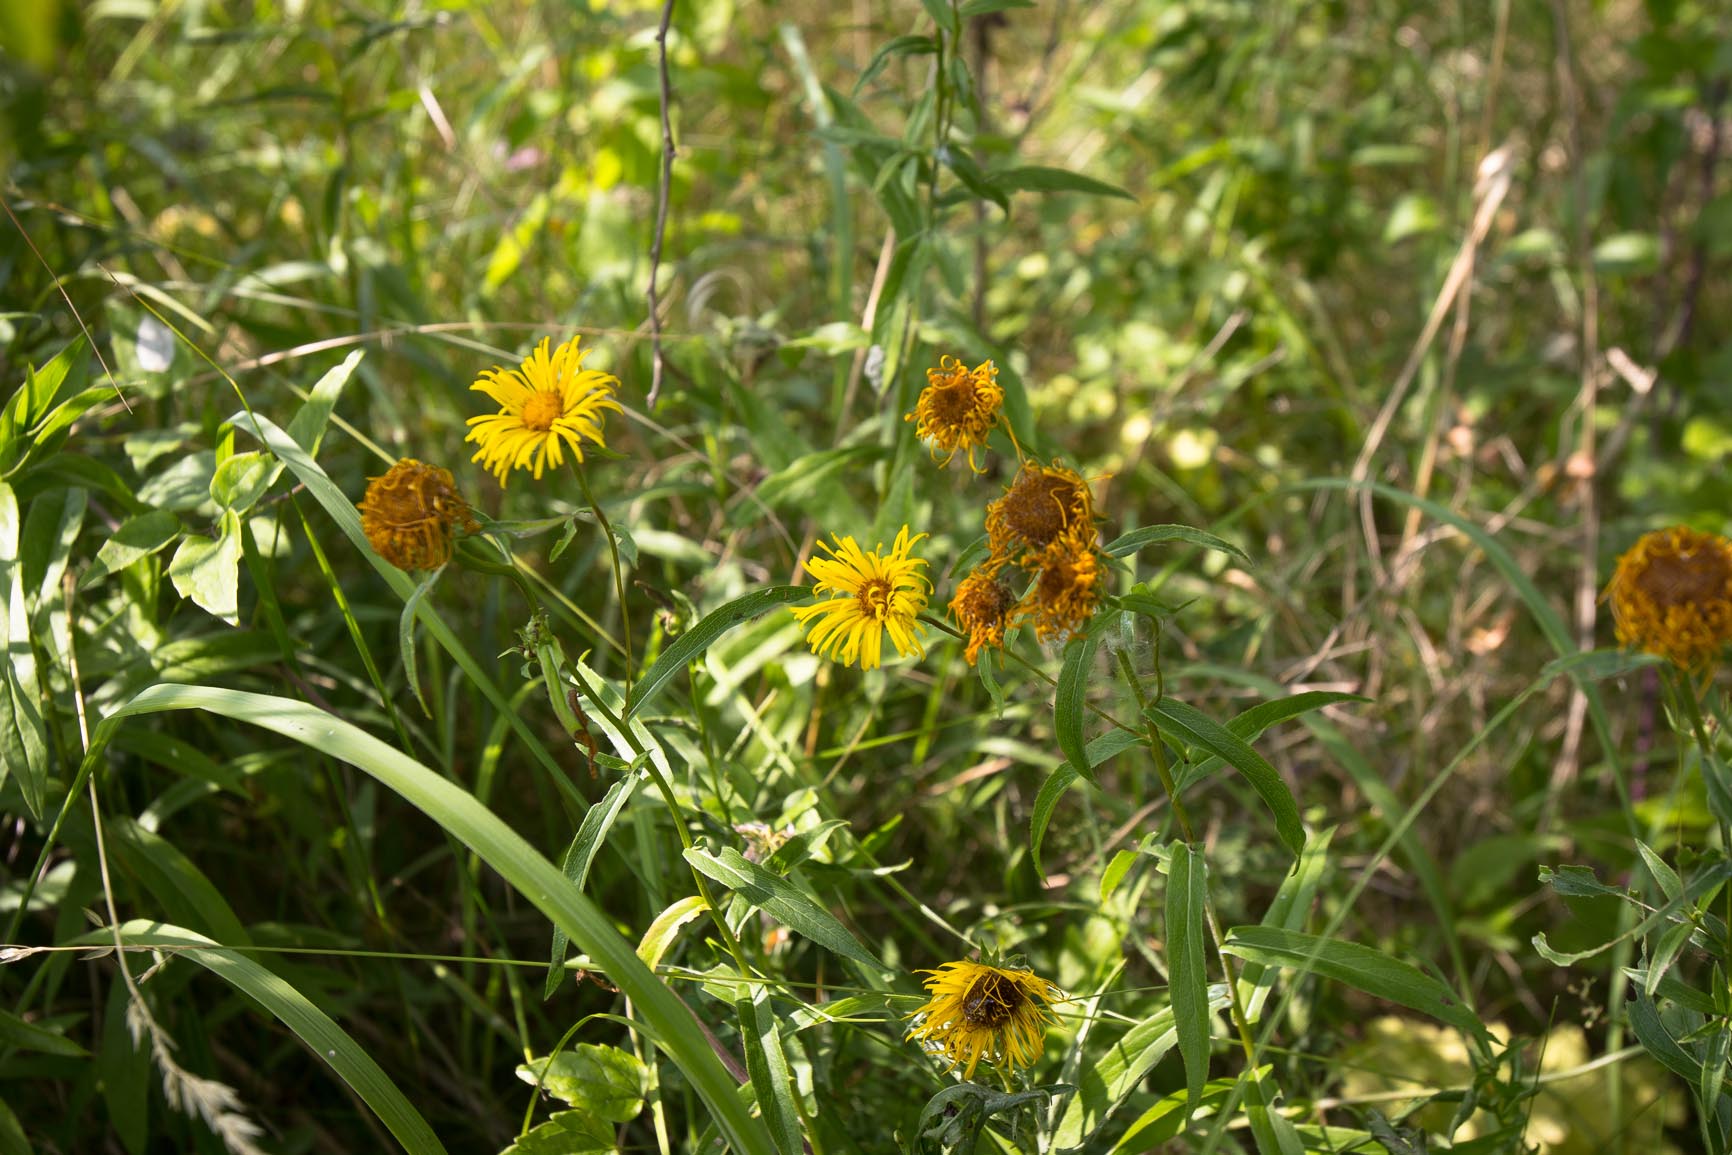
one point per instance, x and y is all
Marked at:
(1671, 595)
(549, 405)
(871, 592)
(978, 1011)
(958, 408)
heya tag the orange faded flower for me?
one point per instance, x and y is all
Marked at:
(958, 408)
(982, 606)
(410, 514)
(1044, 503)
(1671, 595)
(1067, 590)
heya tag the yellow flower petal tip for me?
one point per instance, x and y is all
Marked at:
(549, 406)
(984, 1012)
(871, 592)
(410, 514)
(1671, 595)
(958, 408)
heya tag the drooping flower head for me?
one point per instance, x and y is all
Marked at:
(1041, 505)
(958, 408)
(410, 514)
(982, 606)
(978, 1011)
(1672, 596)
(870, 592)
(1067, 591)
(549, 405)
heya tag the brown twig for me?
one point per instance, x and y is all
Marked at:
(667, 174)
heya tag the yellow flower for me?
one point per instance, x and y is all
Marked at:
(1672, 596)
(958, 407)
(1044, 503)
(410, 513)
(551, 403)
(982, 606)
(978, 1011)
(871, 592)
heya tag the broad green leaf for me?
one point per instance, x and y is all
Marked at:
(896, 46)
(669, 1021)
(1665, 954)
(973, 8)
(324, 1038)
(692, 644)
(13, 1141)
(1250, 725)
(604, 1081)
(1069, 703)
(1039, 178)
(768, 1067)
(566, 1133)
(137, 537)
(1361, 967)
(1167, 1118)
(666, 928)
(1670, 884)
(207, 572)
(1187, 967)
(1198, 729)
(1108, 745)
(781, 900)
(184, 891)
(1140, 539)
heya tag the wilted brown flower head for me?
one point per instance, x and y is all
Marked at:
(410, 514)
(1044, 503)
(1672, 596)
(982, 606)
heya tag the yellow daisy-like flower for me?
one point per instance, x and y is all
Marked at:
(1044, 503)
(1672, 596)
(410, 514)
(1067, 592)
(978, 1011)
(958, 408)
(549, 405)
(871, 592)
(982, 606)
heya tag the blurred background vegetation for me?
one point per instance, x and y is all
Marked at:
(1477, 251)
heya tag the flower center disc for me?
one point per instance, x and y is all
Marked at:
(874, 596)
(990, 1001)
(542, 410)
(955, 403)
(1685, 579)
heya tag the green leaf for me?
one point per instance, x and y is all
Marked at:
(603, 1081)
(975, 8)
(1069, 702)
(1250, 725)
(13, 1140)
(566, 1133)
(768, 1067)
(803, 480)
(779, 898)
(1039, 178)
(23, 734)
(669, 1021)
(324, 1038)
(1108, 745)
(957, 160)
(692, 644)
(1199, 729)
(1670, 884)
(1140, 539)
(138, 537)
(666, 927)
(1665, 954)
(1288, 911)
(1361, 967)
(943, 14)
(1167, 1118)
(15, 1032)
(207, 572)
(593, 831)
(1187, 968)
(899, 46)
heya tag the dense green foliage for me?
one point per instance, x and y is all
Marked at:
(1381, 330)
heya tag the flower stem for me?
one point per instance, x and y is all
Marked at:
(618, 571)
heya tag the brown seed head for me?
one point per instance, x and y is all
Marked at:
(1671, 595)
(410, 514)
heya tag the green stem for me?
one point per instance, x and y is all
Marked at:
(618, 571)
